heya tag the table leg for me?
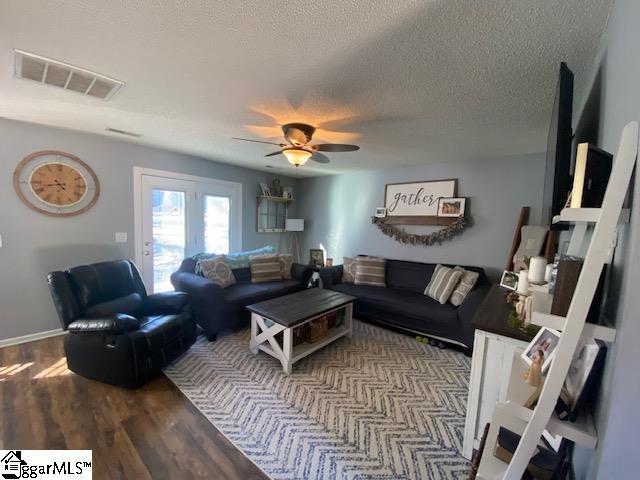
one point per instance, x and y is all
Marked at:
(349, 319)
(254, 333)
(287, 350)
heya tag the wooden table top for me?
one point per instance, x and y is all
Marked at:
(493, 313)
(290, 310)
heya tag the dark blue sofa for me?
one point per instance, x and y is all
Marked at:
(218, 309)
(402, 303)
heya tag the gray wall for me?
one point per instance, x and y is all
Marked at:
(616, 97)
(34, 244)
(338, 209)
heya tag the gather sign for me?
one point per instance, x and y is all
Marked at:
(417, 198)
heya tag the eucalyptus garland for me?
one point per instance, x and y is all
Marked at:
(402, 236)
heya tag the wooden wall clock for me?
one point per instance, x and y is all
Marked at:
(56, 183)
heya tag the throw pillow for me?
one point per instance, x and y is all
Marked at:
(348, 270)
(286, 261)
(218, 271)
(265, 268)
(465, 285)
(370, 271)
(442, 283)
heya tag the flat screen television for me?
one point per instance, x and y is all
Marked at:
(557, 184)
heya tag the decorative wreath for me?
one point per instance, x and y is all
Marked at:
(402, 236)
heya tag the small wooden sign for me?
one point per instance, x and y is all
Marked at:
(416, 203)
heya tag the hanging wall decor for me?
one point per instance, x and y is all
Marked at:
(402, 236)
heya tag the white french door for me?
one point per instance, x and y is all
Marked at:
(178, 216)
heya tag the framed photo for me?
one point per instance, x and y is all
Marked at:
(381, 212)
(316, 257)
(583, 376)
(264, 189)
(544, 343)
(328, 262)
(509, 280)
(287, 192)
(417, 199)
(451, 206)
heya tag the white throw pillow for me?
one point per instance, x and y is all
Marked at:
(465, 285)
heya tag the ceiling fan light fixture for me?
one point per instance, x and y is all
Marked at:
(296, 156)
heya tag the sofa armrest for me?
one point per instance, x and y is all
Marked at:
(165, 303)
(468, 309)
(331, 276)
(301, 273)
(116, 323)
(207, 299)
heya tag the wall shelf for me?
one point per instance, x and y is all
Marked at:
(271, 213)
(416, 220)
(586, 215)
(274, 199)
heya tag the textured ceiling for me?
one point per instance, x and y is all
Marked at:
(412, 82)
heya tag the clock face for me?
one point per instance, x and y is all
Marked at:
(56, 183)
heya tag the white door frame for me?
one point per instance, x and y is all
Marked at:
(235, 240)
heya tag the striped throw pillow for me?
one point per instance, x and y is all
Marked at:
(348, 270)
(370, 271)
(465, 285)
(286, 261)
(442, 284)
(265, 268)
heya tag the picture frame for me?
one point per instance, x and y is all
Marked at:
(451, 206)
(287, 192)
(381, 212)
(316, 257)
(264, 189)
(328, 262)
(546, 340)
(583, 375)
(509, 280)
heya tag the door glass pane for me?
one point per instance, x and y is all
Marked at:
(169, 236)
(216, 224)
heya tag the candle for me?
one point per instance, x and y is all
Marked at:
(523, 283)
(547, 272)
(537, 267)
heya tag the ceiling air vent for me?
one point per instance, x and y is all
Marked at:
(59, 74)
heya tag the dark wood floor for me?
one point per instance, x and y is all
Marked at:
(152, 432)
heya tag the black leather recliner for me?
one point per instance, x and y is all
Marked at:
(117, 333)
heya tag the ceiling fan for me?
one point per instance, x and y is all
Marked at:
(298, 150)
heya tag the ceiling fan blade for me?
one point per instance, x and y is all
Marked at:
(335, 147)
(257, 141)
(273, 153)
(319, 157)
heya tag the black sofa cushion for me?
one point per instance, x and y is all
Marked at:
(401, 302)
(411, 276)
(244, 294)
(130, 304)
(103, 282)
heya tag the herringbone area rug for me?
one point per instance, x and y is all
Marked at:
(377, 406)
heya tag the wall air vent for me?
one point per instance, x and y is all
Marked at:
(52, 72)
(123, 132)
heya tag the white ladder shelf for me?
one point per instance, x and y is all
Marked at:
(530, 424)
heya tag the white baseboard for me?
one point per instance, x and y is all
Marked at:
(32, 337)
